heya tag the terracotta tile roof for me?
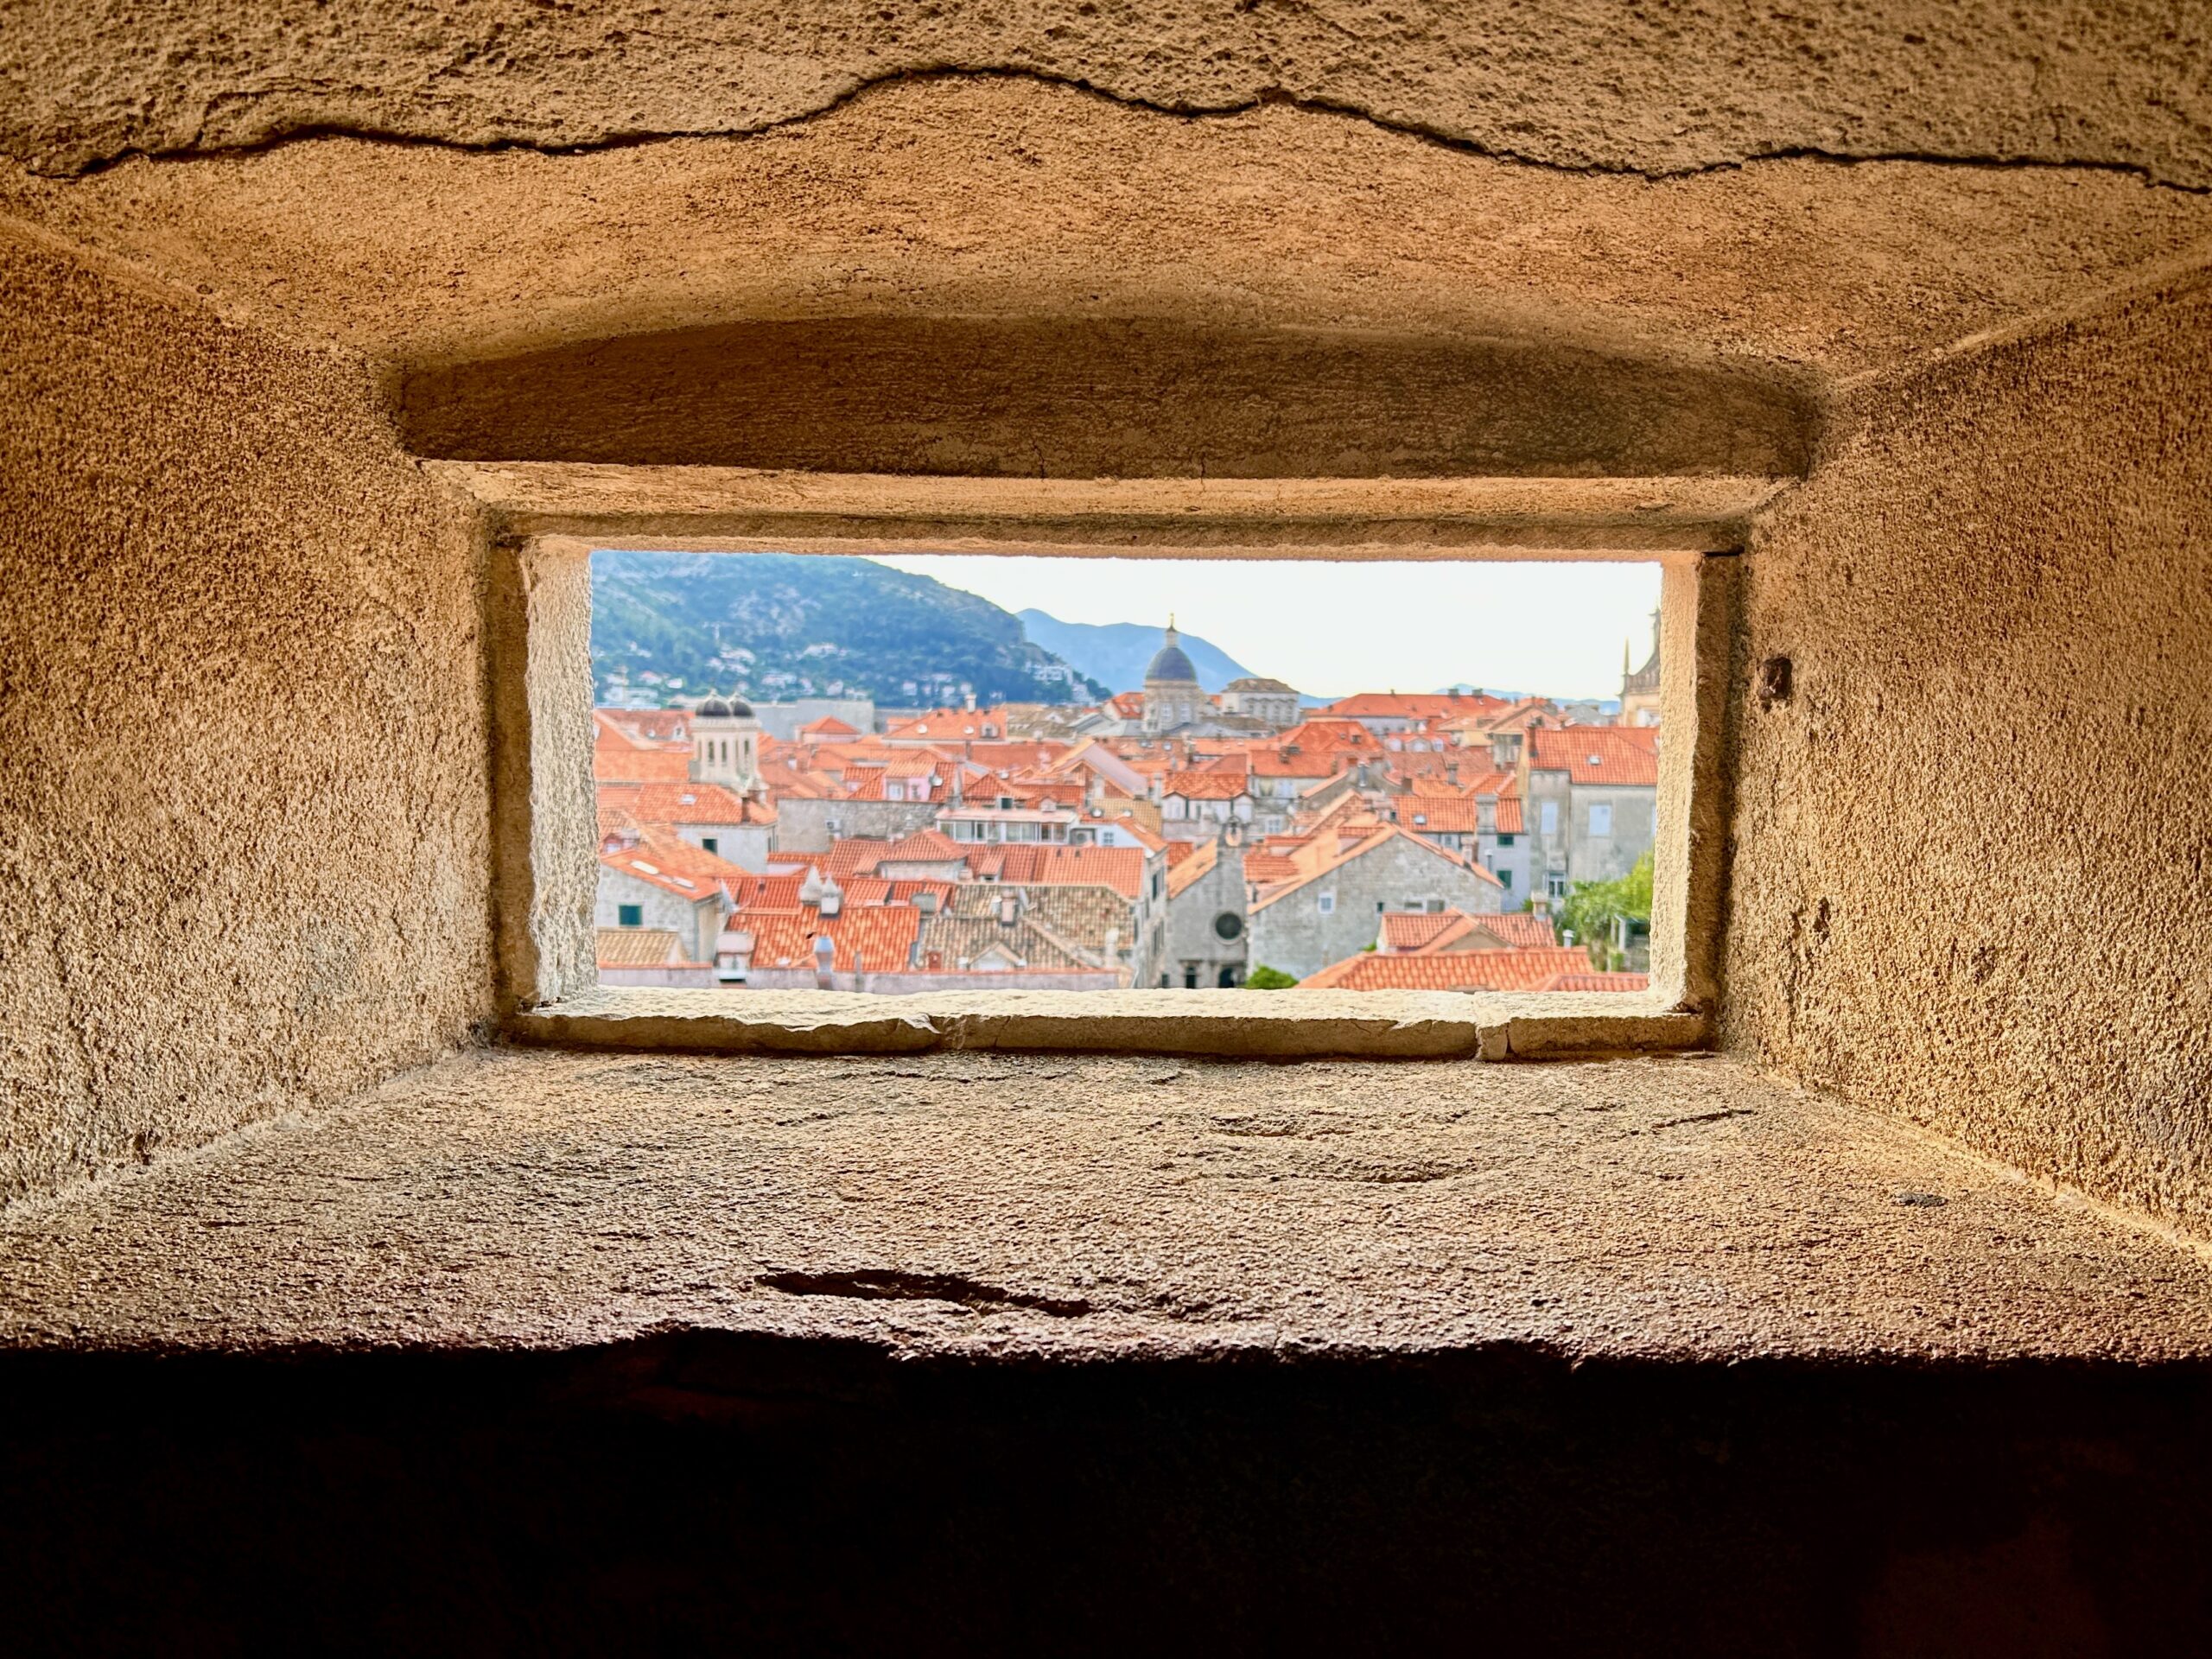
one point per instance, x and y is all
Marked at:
(1264, 869)
(1013, 757)
(1405, 931)
(649, 725)
(1597, 754)
(877, 783)
(949, 943)
(871, 940)
(925, 846)
(828, 726)
(1473, 781)
(856, 855)
(768, 892)
(784, 781)
(1460, 816)
(1598, 983)
(1193, 867)
(617, 755)
(879, 890)
(1206, 786)
(686, 803)
(1408, 933)
(640, 947)
(1076, 920)
(674, 865)
(1392, 705)
(1453, 970)
(1121, 868)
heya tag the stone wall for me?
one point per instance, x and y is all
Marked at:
(1972, 881)
(242, 808)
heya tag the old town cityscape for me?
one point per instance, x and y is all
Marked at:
(1163, 838)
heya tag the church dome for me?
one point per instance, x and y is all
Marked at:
(712, 707)
(1169, 663)
(717, 707)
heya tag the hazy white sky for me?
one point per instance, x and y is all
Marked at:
(1333, 629)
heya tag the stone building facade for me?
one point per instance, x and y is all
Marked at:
(1306, 924)
(1208, 927)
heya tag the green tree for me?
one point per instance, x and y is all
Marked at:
(1591, 907)
(1264, 978)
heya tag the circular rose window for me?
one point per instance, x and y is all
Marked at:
(1227, 925)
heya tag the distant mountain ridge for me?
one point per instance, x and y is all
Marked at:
(1116, 653)
(666, 627)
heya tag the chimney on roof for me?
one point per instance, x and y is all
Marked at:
(831, 900)
(1009, 911)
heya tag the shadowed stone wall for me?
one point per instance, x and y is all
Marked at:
(1972, 882)
(242, 823)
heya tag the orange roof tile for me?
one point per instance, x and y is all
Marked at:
(1392, 705)
(1413, 934)
(1453, 970)
(869, 939)
(1119, 867)
(1598, 983)
(686, 803)
(640, 947)
(1597, 754)
(923, 846)
(1206, 786)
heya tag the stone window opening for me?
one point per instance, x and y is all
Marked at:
(553, 519)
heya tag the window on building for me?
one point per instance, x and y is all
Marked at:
(711, 844)
(1601, 819)
(1547, 815)
(1229, 925)
(1327, 904)
(630, 915)
(1506, 841)
(1504, 878)
(1555, 884)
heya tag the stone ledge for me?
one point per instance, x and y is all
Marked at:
(1234, 1024)
(992, 1207)
(731, 507)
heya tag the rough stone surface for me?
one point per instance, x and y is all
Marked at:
(1974, 842)
(979, 199)
(999, 1207)
(1573, 82)
(660, 507)
(241, 752)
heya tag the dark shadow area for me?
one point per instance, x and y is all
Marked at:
(1121, 398)
(690, 1494)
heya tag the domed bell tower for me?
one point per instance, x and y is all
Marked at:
(726, 745)
(1172, 695)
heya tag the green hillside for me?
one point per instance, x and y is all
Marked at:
(666, 627)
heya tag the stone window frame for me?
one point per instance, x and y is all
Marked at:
(542, 521)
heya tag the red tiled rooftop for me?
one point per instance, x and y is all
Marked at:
(1206, 786)
(1598, 754)
(1454, 970)
(1599, 983)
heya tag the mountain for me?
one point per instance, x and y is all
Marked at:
(666, 627)
(1115, 653)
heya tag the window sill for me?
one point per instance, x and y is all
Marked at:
(987, 1207)
(1258, 1025)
